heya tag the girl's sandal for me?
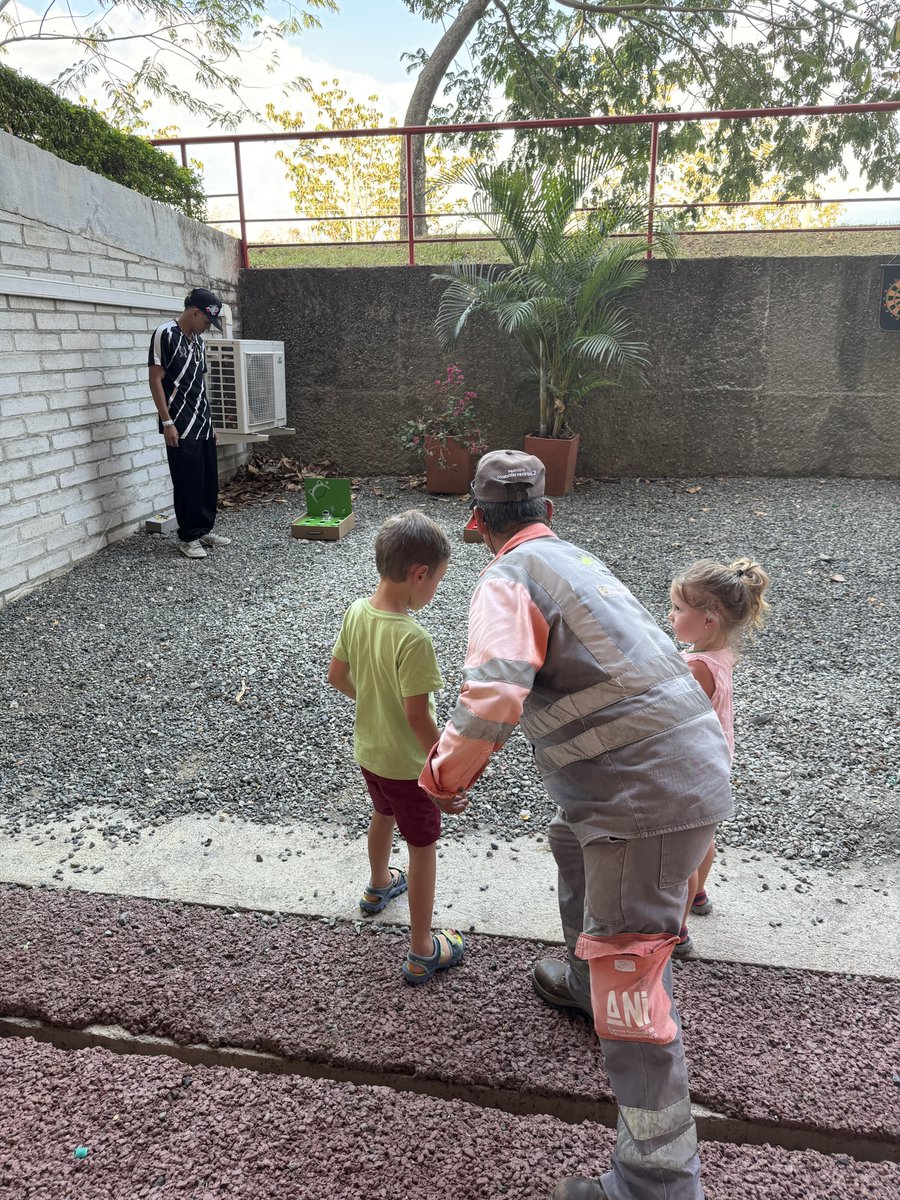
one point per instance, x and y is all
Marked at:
(419, 968)
(374, 898)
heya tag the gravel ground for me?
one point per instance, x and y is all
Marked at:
(306, 989)
(163, 686)
(154, 1131)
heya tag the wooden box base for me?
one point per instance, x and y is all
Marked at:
(314, 529)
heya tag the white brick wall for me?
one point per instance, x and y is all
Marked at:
(81, 461)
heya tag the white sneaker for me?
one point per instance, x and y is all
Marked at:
(192, 549)
(215, 539)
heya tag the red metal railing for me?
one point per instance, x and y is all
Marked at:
(408, 132)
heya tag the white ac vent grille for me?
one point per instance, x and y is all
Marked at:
(245, 385)
(221, 386)
(261, 388)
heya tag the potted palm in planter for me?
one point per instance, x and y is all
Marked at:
(561, 296)
(445, 437)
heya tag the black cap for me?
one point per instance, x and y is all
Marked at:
(208, 302)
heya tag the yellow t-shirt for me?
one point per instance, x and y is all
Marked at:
(391, 657)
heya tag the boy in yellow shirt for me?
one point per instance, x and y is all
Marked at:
(384, 660)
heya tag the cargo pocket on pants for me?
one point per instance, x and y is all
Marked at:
(628, 996)
(682, 853)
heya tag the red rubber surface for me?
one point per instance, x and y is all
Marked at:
(804, 1050)
(158, 1131)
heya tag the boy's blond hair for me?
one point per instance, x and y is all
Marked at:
(409, 540)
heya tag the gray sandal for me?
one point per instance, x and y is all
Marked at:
(430, 963)
(381, 895)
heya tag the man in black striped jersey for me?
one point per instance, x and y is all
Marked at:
(177, 364)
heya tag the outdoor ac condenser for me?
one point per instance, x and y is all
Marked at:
(245, 385)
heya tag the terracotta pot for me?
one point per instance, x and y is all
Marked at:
(559, 456)
(449, 466)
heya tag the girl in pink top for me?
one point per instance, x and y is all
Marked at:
(713, 606)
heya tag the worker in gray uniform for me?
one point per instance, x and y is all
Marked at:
(632, 753)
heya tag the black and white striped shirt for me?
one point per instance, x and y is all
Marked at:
(184, 361)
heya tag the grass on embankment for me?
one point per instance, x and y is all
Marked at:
(786, 244)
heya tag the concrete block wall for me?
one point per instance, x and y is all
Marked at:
(88, 269)
(757, 366)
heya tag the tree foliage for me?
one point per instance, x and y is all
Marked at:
(30, 111)
(558, 58)
(692, 181)
(562, 298)
(210, 37)
(354, 179)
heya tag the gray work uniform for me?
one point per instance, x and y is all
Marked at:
(631, 751)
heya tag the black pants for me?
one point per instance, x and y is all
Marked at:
(195, 480)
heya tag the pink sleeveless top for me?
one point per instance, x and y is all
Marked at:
(721, 667)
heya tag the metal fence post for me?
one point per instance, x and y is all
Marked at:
(651, 191)
(410, 227)
(245, 252)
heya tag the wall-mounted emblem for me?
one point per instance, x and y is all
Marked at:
(889, 315)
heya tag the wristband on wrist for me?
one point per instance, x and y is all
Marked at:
(165, 423)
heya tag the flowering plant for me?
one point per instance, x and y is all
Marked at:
(448, 414)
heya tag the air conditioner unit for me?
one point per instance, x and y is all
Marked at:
(245, 385)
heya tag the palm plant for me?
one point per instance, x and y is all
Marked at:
(561, 297)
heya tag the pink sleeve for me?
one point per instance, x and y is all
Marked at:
(507, 647)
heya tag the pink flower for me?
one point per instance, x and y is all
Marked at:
(416, 440)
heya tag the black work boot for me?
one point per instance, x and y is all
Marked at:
(548, 978)
(578, 1188)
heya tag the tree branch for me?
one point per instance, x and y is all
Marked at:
(623, 10)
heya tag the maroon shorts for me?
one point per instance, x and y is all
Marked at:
(418, 817)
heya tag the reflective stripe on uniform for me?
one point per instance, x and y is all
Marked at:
(669, 1155)
(501, 670)
(631, 681)
(647, 1124)
(468, 725)
(652, 717)
(577, 615)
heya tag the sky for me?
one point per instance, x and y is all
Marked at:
(368, 36)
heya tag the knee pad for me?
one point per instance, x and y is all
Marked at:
(628, 995)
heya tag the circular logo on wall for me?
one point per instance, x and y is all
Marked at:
(892, 299)
(889, 316)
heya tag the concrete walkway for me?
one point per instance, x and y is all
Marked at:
(767, 911)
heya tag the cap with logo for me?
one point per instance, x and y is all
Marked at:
(504, 476)
(208, 302)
